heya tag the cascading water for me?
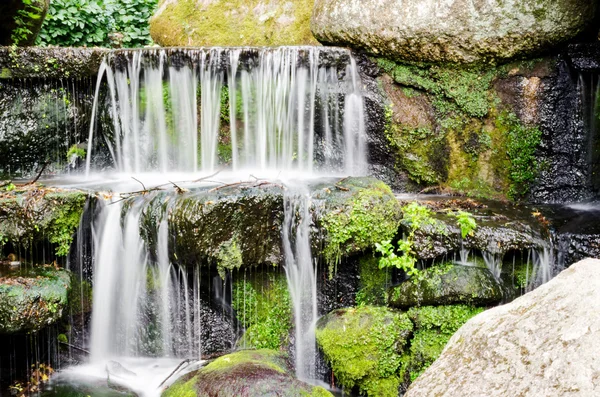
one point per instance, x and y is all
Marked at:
(288, 108)
(302, 281)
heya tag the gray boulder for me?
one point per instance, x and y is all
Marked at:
(450, 31)
(544, 343)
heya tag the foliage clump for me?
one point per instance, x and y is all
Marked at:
(363, 347)
(373, 282)
(101, 23)
(263, 307)
(370, 214)
(434, 326)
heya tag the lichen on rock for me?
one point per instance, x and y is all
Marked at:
(232, 23)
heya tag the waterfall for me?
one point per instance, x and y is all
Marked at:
(142, 306)
(187, 110)
(302, 281)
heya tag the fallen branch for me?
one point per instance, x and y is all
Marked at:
(38, 175)
(74, 347)
(186, 361)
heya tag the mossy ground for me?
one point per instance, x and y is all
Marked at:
(469, 141)
(233, 23)
(363, 346)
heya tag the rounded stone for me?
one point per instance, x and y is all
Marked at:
(545, 343)
(232, 23)
(461, 31)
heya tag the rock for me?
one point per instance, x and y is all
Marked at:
(363, 346)
(30, 17)
(247, 373)
(232, 23)
(240, 226)
(50, 63)
(544, 343)
(217, 331)
(32, 299)
(454, 31)
(585, 57)
(446, 285)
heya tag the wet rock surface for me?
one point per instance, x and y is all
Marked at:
(31, 299)
(456, 31)
(448, 285)
(543, 343)
(247, 373)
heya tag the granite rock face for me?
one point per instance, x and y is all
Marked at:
(462, 31)
(544, 343)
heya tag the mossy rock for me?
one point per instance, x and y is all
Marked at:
(355, 213)
(247, 373)
(36, 214)
(15, 14)
(434, 326)
(446, 285)
(363, 346)
(31, 299)
(232, 23)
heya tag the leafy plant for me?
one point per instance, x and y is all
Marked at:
(74, 153)
(466, 222)
(91, 23)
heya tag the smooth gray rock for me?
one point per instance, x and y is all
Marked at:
(545, 343)
(450, 30)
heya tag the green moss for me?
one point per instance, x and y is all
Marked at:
(181, 389)
(373, 282)
(65, 220)
(522, 143)
(371, 214)
(434, 326)
(466, 86)
(362, 346)
(233, 23)
(264, 357)
(262, 304)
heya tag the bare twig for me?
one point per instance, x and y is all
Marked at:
(141, 183)
(39, 174)
(74, 347)
(174, 371)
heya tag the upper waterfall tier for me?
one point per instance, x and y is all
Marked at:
(286, 108)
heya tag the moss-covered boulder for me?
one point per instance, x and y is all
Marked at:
(247, 373)
(33, 214)
(364, 346)
(232, 23)
(456, 31)
(31, 299)
(20, 21)
(355, 213)
(446, 285)
(433, 328)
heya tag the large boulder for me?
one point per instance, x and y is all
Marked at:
(247, 373)
(232, 23)
(450, 31)
(448, 285)
(544, 343)
(32, 299)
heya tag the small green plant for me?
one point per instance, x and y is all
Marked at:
(415, 217)
(74, 153)
(466, 222)
(10, 187)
